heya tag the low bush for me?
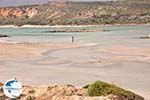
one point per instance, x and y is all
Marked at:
(100, 88)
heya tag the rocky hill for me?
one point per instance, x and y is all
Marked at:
(78, 13)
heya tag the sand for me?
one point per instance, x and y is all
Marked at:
(76, 64)
(59, 26)
(25, 50)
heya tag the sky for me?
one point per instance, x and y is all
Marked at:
(28, 2)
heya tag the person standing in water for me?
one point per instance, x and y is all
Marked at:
(72, 39)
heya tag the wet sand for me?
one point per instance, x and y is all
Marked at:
(76, 64)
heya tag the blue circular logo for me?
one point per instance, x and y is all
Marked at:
(12, 88)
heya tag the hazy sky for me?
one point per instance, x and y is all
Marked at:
(25, 2)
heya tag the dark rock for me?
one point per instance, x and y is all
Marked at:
(1, 35)
(145, 37)
(73, 31)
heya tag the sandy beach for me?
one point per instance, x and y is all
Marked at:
(75, 50)
(53, 63)
(62, 26)
(121, 59)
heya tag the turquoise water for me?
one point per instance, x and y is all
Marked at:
(115, 34)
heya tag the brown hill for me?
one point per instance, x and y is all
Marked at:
(77, 13)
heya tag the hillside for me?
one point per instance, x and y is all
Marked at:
(78, 13)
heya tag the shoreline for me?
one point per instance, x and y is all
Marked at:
(68, 57)
(59, 26)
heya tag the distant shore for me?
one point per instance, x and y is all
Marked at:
(59, 26)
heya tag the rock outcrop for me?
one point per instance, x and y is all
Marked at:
(17, 12)
(1, 35)
(56, 92)
(97, 91)
(145, 37)
(73, 31)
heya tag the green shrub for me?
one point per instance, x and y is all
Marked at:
(100, 88)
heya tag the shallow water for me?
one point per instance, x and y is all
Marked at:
(115, 34)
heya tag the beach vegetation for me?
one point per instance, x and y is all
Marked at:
(100, 88)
